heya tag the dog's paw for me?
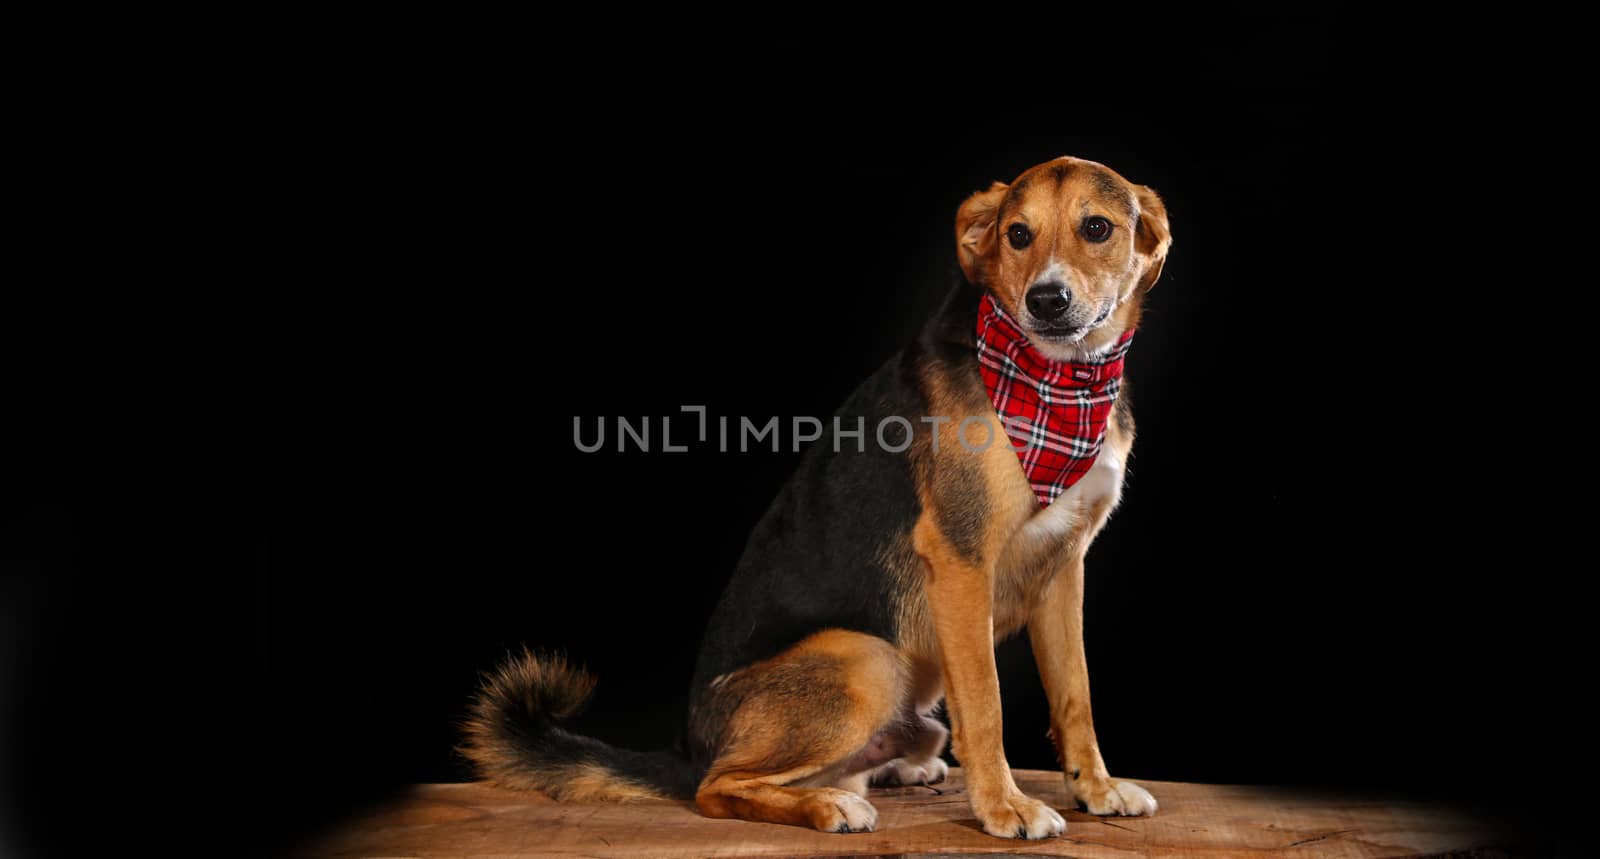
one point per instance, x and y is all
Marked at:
(1123, 797)
(843, 811)
(904, 772)
(1018, 816)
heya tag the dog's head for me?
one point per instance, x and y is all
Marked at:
(1069, 248)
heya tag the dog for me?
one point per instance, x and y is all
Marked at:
(879, 581)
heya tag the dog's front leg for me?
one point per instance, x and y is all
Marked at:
(960, 601)
(1056, 631)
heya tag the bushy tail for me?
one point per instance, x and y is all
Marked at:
(514, 738)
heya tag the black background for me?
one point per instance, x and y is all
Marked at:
(277, 515)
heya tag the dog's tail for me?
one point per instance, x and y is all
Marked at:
(514, 738)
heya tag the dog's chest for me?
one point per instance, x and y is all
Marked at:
(1046, 540)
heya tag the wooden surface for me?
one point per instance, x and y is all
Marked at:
(1193, 820)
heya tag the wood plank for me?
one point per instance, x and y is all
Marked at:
(1194, 820)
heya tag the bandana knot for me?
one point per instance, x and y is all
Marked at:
(1055, 412)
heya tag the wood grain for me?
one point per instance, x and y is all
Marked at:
(1194, 820)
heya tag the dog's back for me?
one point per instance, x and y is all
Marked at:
(834, 548)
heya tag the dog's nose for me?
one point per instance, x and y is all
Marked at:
(1048, 301)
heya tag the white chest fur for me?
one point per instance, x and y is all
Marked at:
(1101, 488)
(1044, 543)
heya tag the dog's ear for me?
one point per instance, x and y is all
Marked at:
(975, 232)
(1151, 237)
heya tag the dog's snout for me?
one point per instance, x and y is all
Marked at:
(1048, 301)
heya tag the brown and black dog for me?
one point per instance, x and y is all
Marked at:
(879, 580)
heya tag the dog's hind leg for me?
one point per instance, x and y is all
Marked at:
(821, 714)
(919, 761)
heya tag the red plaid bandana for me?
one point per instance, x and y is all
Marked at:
(1054, 411)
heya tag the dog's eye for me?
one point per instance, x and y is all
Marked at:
(1096, 229)
(1020, 236)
